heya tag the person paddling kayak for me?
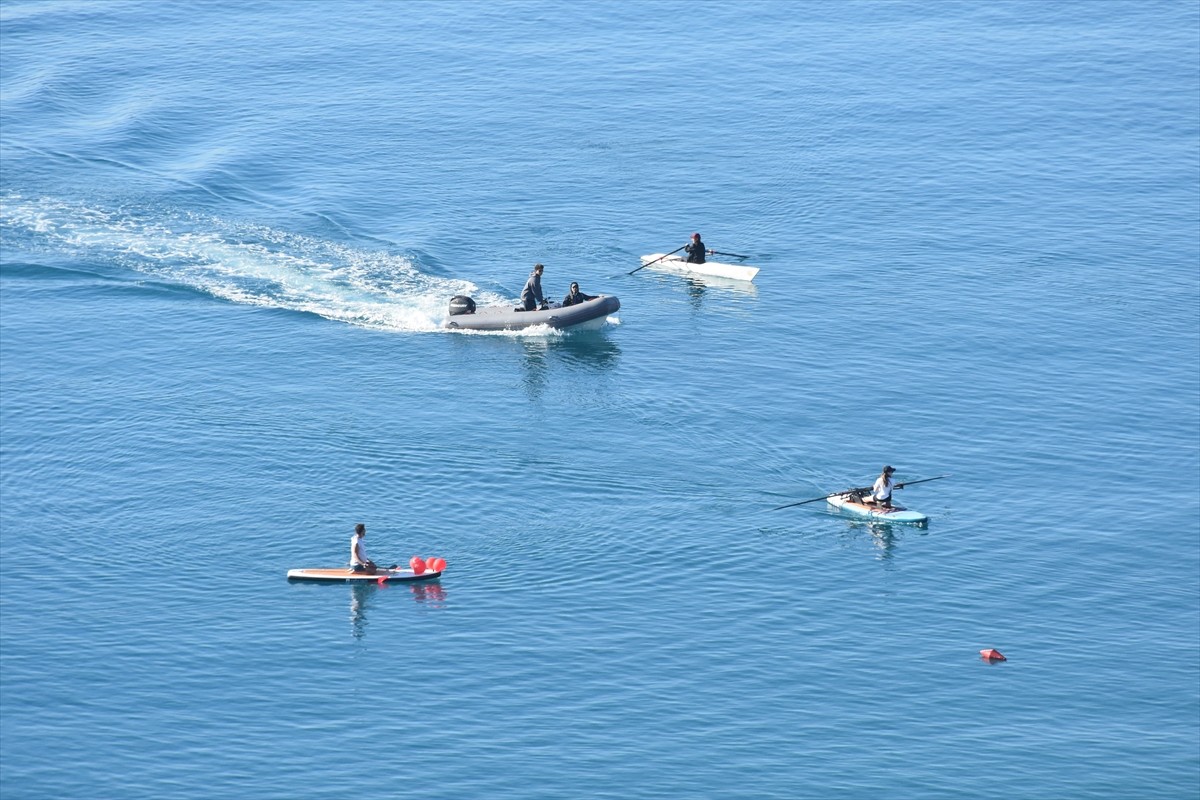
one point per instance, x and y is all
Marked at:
(695, 250)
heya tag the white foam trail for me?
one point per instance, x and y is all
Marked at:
(242, 263)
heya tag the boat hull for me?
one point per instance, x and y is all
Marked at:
(893, 514)
(737, 272)
(589, 314)
(344, 575)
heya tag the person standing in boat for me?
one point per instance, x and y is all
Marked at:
(531, 295)
(695, 250)
(881, 492)
(574, 297)
(358, 552)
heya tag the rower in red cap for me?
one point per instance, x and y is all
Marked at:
(695, 250)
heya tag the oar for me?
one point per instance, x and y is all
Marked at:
(850, 491)
(923, 480)
(822, 497)
(660, 258)
(719, 253)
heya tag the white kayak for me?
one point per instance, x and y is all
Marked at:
(844, 502)
(737, 272)
(344, 574)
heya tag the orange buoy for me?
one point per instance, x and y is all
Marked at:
(417, 564)
(992, 655)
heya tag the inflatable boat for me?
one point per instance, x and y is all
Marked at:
(581, 316)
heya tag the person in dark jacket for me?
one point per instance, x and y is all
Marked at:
(695, 251)
(531, 295)
(575, 296)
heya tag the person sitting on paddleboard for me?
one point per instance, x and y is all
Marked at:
(358, 552)
(881, 492)
(575, 296)
(695, 250)
(531, 295)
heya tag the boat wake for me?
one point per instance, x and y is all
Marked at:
(239, 262)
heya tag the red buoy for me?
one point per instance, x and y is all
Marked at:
(417, 564)
(992, 655)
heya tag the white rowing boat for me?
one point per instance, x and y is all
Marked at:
(737, 272)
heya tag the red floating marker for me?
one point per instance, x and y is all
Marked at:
(992, 655)
(418, 564)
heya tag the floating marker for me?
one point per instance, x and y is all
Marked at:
(992, 655)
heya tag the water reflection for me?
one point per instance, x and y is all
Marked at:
(884, 539)
(700, 288)
(362, 595)
(582, 350)
(884, 535)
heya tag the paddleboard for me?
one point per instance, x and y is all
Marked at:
(343, 574)
(737, 272)
(893, 514)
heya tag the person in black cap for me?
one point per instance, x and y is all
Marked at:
(695, 250)
(575, 296)
(881, 492)
(531, 295)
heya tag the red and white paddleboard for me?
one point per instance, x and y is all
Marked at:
(344, 574)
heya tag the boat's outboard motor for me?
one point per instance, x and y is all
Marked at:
(461, 304)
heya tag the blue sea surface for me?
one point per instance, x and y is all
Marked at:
(229, 233)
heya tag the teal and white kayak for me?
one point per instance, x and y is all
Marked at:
(843, 502)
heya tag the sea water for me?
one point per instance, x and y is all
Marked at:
(229, 233)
